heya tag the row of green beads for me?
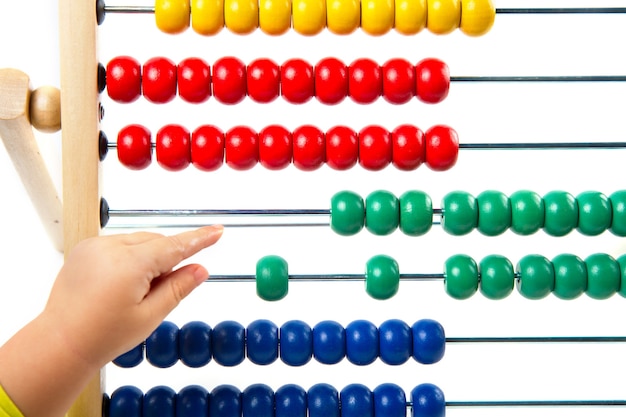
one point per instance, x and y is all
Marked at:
(567, 276)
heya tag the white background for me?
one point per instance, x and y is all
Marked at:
(517, 45)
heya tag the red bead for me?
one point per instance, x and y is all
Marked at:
(207, 148)
(297, 82)
(124, 79)
(398, 81)
(263, 80)
(433, 80)
(342, 148)
(442, 147)
(331, 81)
(409, 150)
(159, 80)
(194, 80)
(309, 148)
(375, 149)
(134, 147)
(229, 80)
(242, 148)
(275, 149)
(173, 149)
(365, 83)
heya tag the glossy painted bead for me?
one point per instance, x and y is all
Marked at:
(377, 16)
(162, 345)
(272, 278)
(460, 213)
(257, 401)
(159, 401)
(375, 147)
(536, 277)
(357, 400)
(442, 147)
(262, 342)
(172, 16)
(347, 213)
(361, 342)
(228, 343)
(416, 213)
(263, 82)
(460, 277)
(131, 358)
(241, 147)
(389, 401)
(134, 147)
(561, 213)
(497, 277)
(398, 81)
(275, 149)
(477, 16)
(382, 213)
(126, 401)
(194, 80)
(323, 401)
(618, 206)
(594, 213)
(225, 401)
(309, 148)
(570, 276)
(382, 277)
(207, 16)
(308, 16)
(408, 147)
(207, 148)
(241, 16)
(494, 213)
(365, 81)
(329, 342)
(297, 81)
(158, 80)
(343, 16)
(622, 265)
(342, 148)
(396, 342)
(432, 80)
(194, 344)
(331, 81)
(527, 212)
(123, 79)
(296, 343)
(192, 401)
(428, 401)
(173, 147)
(275, 16)
(429, 341)
(229, 80)
(291, 401)
(603, 276)
(410, 16)
(443, 16)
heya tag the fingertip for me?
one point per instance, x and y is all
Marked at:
(200, 274)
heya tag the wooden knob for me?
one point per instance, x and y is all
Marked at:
(45, 109)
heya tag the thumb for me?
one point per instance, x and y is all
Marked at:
(172, 288)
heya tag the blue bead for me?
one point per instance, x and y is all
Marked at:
(225, 401)
(162, 345)
(192, 401)
(357, 401)
(131, 358)
(329, 342)
(396, 342)
(258, 401)
(361, 342)
(428, 401)
(126, 401)
(228, 343)
(291, 401)
(262, 342)
(323, 401)
(159, 402)
(296, 343)
(389, 401)
(429, 341)
(194, 344)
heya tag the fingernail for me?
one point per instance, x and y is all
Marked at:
(200, 275)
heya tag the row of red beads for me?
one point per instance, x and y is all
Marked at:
(274, 147)
(297, 81)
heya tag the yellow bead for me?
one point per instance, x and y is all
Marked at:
(172, 16)
(275, 16)
(377, 16)
(207, 16)
(410, 16)
(309, 16)
(343, 16)
(443, 16)
(241, 16)
(477, 16)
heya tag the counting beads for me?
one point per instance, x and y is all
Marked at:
(527, 212)
(275, 147)
(477, 17)
(228, 343)
(173, 147)
(398, 81)
(159, 80)
(241, 147)
(342, 148)
(263, 80)
(382, 277)
(172, 16)
(561, 213)
(497, 277)
(134, 148)
(494, 213)
(594, 213)
(194, 80)
(207, 16)
(460, 213)
(408, 147)
(309, 148)
(461, 277)
(272, 278)
(618, 206)
(331, 81)
(343, 16)
(375, 148)
(193, 339)
(229, 80)
(207, 148)
(382, 208)
(274, 16)
(241, 16)
(443, 16)
(416, 213)
(297, 81)
(377, 16)
(347, 213)
(123, 76)
(308, 16)
(410, 16)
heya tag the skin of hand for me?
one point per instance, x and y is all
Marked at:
(110, 294)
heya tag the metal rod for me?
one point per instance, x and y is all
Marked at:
(541, 78)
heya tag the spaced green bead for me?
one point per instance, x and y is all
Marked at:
(535, 277)
(382, 213)
(561, 213)
(382, 277)
(272, 278)
(347, 213)
(494, 213)
(618, 206)
(594, 213)
(460, 277)
(497, 277)
(527, 212)
(416, 213)
(622, 267)
(570, 276)
(604, 276)
(460, 213)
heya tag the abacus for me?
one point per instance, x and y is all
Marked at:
(436, 205)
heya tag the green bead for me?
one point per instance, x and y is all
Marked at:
(347, 213)
(535, 277)
(561, 213)
(460, 213)
(382, 277)
(604, 276)
(570, 276)
(272, 278)
(618, 205)
(460, 277)
(622, 267)
(494, 213)
(594, 213)
(527, 212)
(382, 213)
(497, 277)
(416, 213)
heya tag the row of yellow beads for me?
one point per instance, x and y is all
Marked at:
(309, 17)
